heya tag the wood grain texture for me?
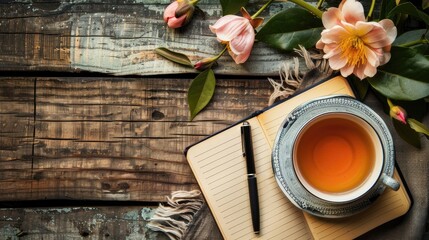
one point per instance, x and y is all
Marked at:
(99, 222)
(16, 129)
(118, 38)
(112, 139)
(78, 223)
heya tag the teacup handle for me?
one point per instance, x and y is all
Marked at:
(390, 182)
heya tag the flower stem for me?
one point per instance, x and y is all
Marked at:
(262, 9)
(309, 7)
(194, 2)
(319, 3)
(371, 10)
(416, 42)
(220, 54)
(390, 103)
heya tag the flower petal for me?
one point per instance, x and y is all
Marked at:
(331, 50)
(352, 11)
(242, 45)
(385, 58)
(371, 57)
(224, 20)
(176, 22)
(358, 71)
(333, 35)
(331, 17)
(363, 28)
(170, 11)
(320, 44)
(376, 38)
(228, 27)
(347, 70)
(370, 70)
(390, 29)
(336, 62)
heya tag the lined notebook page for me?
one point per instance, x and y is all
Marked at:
(221, 172)
(274, 117)
(389, 206)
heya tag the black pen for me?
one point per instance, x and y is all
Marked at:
(246, 141)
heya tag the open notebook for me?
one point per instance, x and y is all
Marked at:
(220, 170)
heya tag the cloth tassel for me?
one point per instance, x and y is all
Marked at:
(290, 76)
(174, 219)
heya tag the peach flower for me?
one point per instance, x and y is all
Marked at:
(178, 13)
(353, 45)
(238, 33)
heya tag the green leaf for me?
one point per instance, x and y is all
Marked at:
(290, 28)
(407, 133)
(174, 56)
(404, 77)
(414, 36)
(418, 126)
(411, 36)
(425, 4)
(410, 9)
(386, 7)
(232, 6)
(201, 91)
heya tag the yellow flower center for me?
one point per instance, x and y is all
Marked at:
(353, 49)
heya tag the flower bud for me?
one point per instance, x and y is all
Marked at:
(399, 114)
(178, 13)
(205, 63)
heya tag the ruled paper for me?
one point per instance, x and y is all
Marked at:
(273, 118)
(220, 170)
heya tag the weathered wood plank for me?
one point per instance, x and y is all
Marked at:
(119, 138)
(16, 128)
(119, 222)
(117, 38)
(77, 223)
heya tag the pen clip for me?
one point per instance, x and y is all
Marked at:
(243, 138)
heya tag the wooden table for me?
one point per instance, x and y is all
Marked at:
(93, 123)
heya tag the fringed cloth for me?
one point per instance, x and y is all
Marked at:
(174, 219)
(291, 78)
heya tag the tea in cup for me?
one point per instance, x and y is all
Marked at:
(338, 157)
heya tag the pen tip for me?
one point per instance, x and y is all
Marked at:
(245, 123)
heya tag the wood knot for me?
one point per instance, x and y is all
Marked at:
(140, 167)
(84, 233)
(123, 185)
(157, 115)
(83, 229)
(38, 176)
(105, 186)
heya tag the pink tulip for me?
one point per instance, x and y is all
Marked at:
(238, 33)
(178, 13)
(353, 45)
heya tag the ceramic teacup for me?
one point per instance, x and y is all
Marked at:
(333, 156)
(338, 157)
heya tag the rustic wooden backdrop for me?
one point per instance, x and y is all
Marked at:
(117, 37)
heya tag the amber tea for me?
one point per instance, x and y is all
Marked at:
(335, 154)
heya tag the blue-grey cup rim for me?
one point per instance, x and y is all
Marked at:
(286, 177)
